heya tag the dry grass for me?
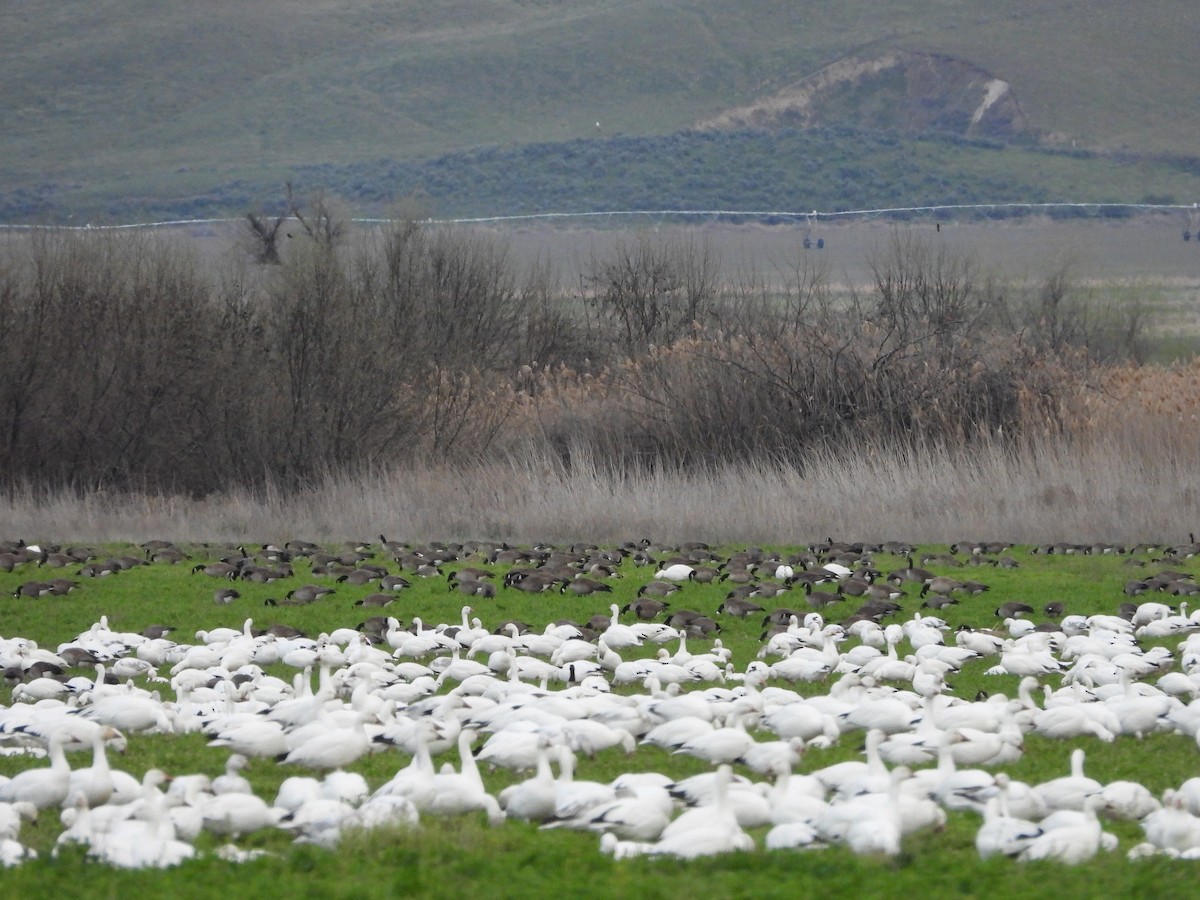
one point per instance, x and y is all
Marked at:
(1134, 483)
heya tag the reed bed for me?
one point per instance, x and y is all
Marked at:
(1130, 483)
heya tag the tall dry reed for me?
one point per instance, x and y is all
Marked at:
(1125, 484)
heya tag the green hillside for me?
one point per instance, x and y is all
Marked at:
(119, 105)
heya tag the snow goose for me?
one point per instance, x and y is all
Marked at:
(1069, 792)
(840, 775)
(232, 782)
(296, 790)
(573, 798)
(532, 800)
(333, 748)
(44, 787)
(148, 841)
(1002, 834)
(1072, 844)
(954, 788)
(1128, 800)
(456, 793)
(95, 783)
(620, 637)
(700, 831)
(233, 815)
(1172, 827)
(639, 811)
(676, 572)
(721, 745)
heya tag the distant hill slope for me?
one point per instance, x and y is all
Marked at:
(113, 105)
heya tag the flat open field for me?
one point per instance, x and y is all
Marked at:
(457, 854)
(1149, 248)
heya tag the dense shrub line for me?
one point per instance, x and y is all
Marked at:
(130, 363)
(829, 168)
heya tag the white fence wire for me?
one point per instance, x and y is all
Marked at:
(759, 214)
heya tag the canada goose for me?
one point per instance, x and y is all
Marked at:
(782, 616)
(939, 601)
(393, 583)
(1054, 610)
(706, 574)
(701, 627)
(853, 587)
(259, 575)
(646, 608)
(737, 575)
(736, 606)
(359, 577)
(168, 555)
(218, 570)
(584, 586)
(78, 657)
(657, 589)
(942, 559)
(876, 591)
(477, 589)
(1013, 609)
(529, 582)
(910, 573)
(308, 593)
(941, 584)
(225, 596)
(469, 573)
(768, 589)
(818, 599)
(286, 601)
(376, 600)
(99, 570)
(33, 589)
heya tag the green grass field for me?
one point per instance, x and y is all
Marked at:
(456, 856)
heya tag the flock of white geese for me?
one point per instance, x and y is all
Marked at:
(535, 701)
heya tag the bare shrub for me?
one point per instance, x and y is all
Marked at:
(652, 291)
(106, 339)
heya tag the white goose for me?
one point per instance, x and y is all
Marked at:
(44, 787)
(532, 800)
(1071, 844)
(455, 793)
(701, 831)
(1002, 834)
(1069, 792)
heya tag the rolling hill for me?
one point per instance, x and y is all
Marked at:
(120, 107)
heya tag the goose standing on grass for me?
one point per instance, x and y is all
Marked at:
(44, 787)
(1069, 792)
(532, 800)
(617, 636)
(95, 783)
(456, 793)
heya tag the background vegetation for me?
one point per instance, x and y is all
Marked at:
(424, 376)
(125, 110)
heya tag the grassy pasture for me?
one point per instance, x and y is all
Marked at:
(453, 857)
